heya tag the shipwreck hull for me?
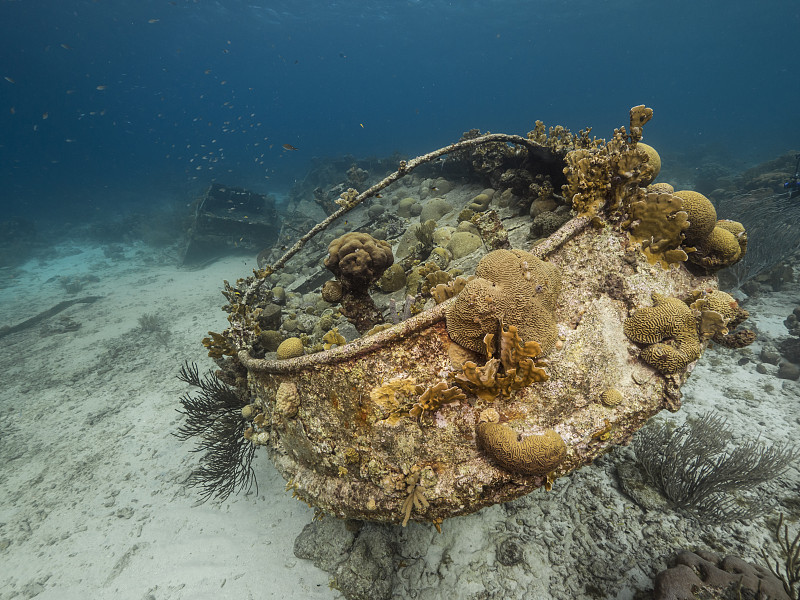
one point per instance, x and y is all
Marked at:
(347, 445)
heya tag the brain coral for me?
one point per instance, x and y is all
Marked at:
(653, 161)
(701, 215)
(661, 188)
(611, 397)
(290, 348)
(513, 287)
(720, 249)
(535, 455)
(717, 310)
(723, 303)
(358, 259)
(668, 319)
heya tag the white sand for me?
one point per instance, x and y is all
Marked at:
(93, 495)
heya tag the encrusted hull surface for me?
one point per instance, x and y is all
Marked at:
(351, 449)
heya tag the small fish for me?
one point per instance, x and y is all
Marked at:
(69, 140)
(362, 125)
(45, 115)
(153, 20)
(65, 47)
(289, 147)
(9, 80)
(101, 87)
(13, 110)
(207, 71)
(70, 91)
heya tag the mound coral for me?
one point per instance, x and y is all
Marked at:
(661, 187)
(287, 400)
(512, 286)
(481, 202)
(393, 279)
(358, 260)
(332, 291)
(717, 310)
(463, 243)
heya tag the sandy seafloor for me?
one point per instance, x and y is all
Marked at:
(93, 494)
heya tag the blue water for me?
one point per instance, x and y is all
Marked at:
(113, 105)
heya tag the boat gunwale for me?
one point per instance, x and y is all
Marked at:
(427, 318)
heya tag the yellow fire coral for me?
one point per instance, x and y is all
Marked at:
(512, 286)
(218, 345)
(333, 338)
(669, 319)
(434, 397)
(535, 455)
(393, 393)
(516, 368)
(603, 176)
(657, 221)
(415, 497)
